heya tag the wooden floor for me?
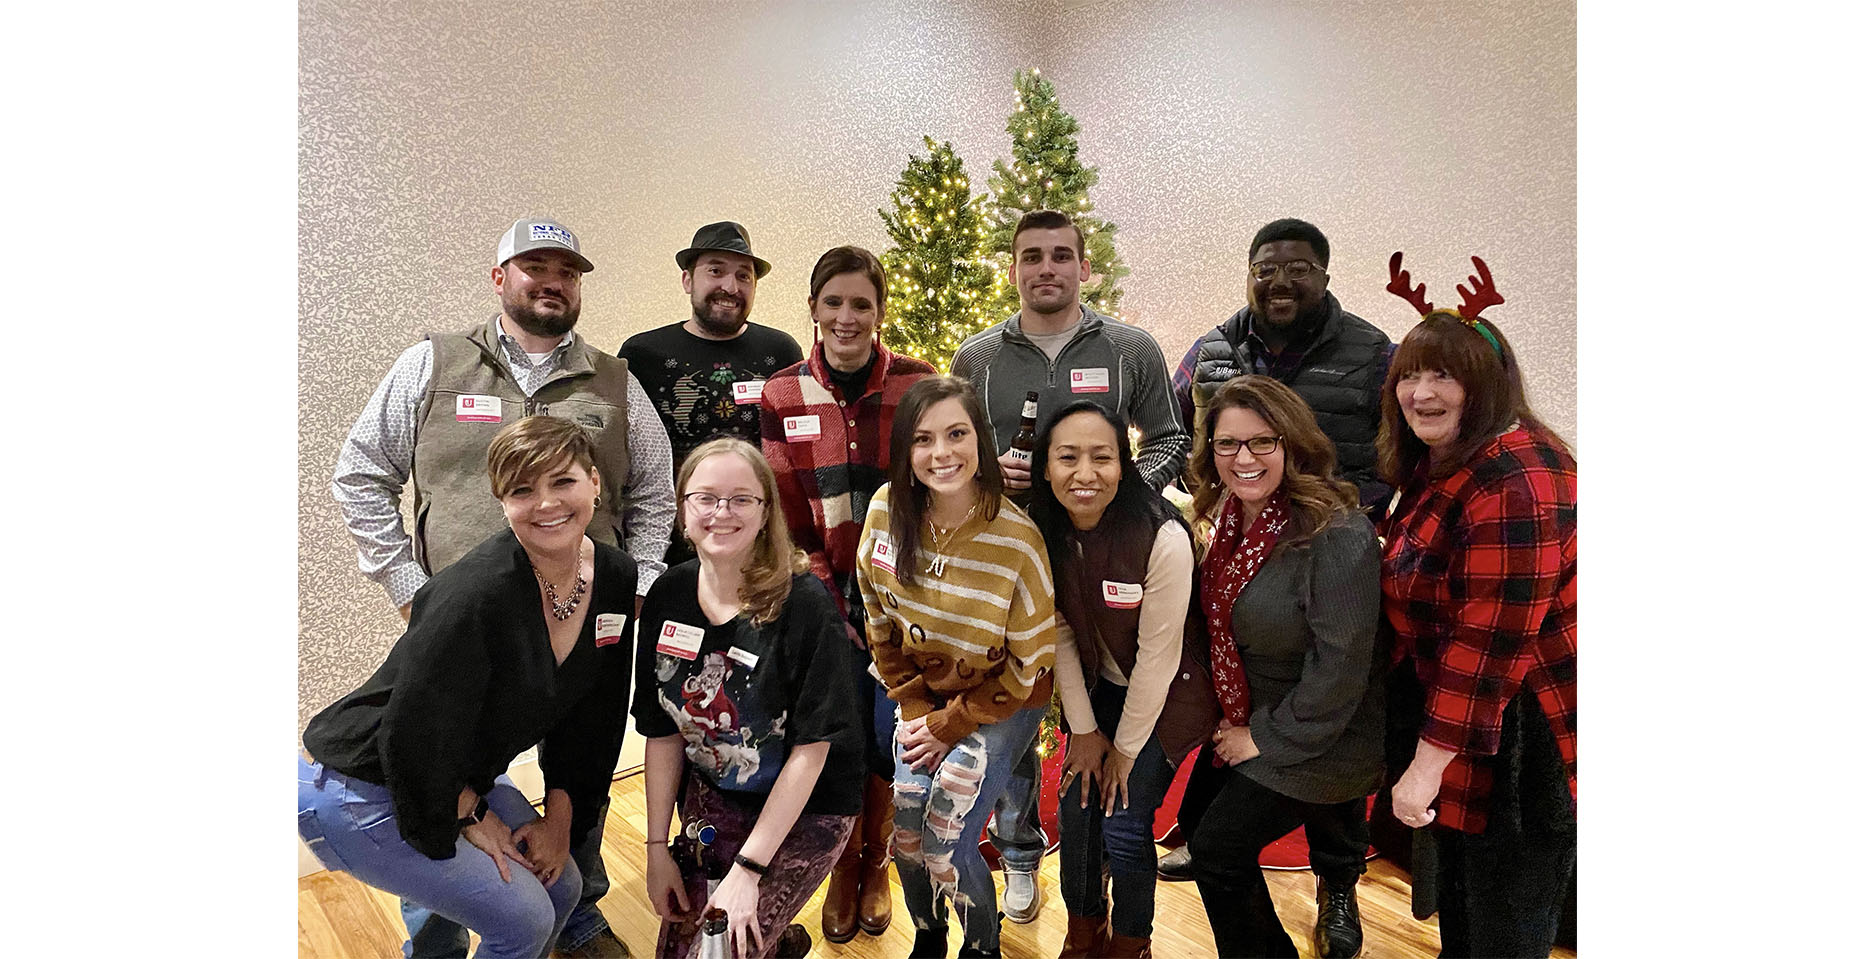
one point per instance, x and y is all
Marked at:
(341, 918)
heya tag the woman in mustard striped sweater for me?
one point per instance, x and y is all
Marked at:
(960, 614)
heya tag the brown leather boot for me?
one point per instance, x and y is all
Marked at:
(839, 914)
(1087, 937)
(875, 887)
(1129, 947)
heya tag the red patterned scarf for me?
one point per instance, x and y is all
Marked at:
(1235, 556)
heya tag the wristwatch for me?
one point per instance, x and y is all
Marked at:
(481, 810)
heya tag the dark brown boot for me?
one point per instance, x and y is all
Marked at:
(875, 886)
(1129, 947)
(839, 914)
(1087, 937)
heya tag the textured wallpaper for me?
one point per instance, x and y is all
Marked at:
(1441, 128)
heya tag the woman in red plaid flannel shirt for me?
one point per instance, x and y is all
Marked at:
(1479, 572)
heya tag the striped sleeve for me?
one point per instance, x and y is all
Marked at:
(1028, 640)
(904, 681)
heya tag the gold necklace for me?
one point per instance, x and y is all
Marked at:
(936, 564)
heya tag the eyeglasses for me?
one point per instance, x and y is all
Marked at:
(1259, 445)
(1295, 270)
(740, 504)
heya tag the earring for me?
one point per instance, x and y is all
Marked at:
(595, 504)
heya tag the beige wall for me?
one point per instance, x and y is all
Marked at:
(1444, 128)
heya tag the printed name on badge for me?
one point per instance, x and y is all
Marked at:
(478, 409)
(746, 391)
(884, 555)
(743, 656)
(1121, 595)
(1088, 381)
(799, 428)
(680, 640)
(610, 627)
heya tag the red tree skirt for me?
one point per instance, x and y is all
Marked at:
(1290, 852)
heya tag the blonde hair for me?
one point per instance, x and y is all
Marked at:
(768, 573)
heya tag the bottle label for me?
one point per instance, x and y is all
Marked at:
(1023, 455)
(1028, 409)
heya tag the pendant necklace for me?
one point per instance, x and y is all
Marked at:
(562, 610)
(936, 564)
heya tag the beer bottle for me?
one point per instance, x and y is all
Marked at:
(1022, 446)
(715, 943)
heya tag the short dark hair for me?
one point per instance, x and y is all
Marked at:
(1051, 220)
(1290, 228)
(847, 259)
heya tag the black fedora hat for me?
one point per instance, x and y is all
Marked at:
(727, 236)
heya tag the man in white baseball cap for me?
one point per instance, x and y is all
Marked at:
(429, 424)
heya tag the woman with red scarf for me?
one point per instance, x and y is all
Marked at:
(1480, 581)
(1289, 593)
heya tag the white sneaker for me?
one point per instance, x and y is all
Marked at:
(1022, 896)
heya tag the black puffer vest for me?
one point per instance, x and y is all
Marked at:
(1339, 377)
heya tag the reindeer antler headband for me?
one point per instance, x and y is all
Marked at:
(1471, 302)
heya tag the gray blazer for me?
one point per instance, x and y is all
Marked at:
(1306, 628)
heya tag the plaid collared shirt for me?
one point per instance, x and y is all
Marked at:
(1480, 580)
(829, 457)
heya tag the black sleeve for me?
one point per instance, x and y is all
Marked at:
(425, 740)
(578, 755)
(790, 350)
(652, 720)
(823, 707)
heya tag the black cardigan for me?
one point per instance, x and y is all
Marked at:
(473, 682)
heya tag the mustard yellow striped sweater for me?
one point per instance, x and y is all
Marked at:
(973, 646)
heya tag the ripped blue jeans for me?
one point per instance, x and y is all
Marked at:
(937, 819)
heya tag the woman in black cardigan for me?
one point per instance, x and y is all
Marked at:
(1289, 593)
(522, 641)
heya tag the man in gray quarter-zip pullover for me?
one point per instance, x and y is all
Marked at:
(1065, 351)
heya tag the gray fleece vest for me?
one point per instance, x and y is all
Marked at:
(455, 509)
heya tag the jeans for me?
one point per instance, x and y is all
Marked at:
(1015, 828)
(434, 937)
(1243, 818)
(350, 826)
(1501, 894)
(1095, 845)
(937, 818)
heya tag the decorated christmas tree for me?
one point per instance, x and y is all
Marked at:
(937, 285)
(1045, 173)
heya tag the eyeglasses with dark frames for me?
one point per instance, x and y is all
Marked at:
(1259, 445)
(741, 504)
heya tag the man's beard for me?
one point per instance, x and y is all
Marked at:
(1304, 320)
(707, 321)
(543, 324)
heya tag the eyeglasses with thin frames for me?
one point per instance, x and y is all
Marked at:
(741, 504)
(1228, 446)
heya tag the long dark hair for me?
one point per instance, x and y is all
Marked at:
(1494, 397)
(1130, 522)
(906, 498)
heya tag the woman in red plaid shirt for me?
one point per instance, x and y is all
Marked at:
(1479, 572)
(826, 430)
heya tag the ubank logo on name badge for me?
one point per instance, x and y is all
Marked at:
(801, 428)
(478, 409)
(1088, 381)
(609, 626)
(745, 392)
(1121, 595)
(680, 639)
(884, 555)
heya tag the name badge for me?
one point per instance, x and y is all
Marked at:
(680, 640)
(884, 555)
(1088, 381)
(747, 391)
(478, 409)
(743, 656)
(610, 627)
(1121, 595)
(799, 428)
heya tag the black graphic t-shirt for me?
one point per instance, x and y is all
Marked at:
(743, 696)
(692, 381)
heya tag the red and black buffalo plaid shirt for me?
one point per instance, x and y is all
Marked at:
(829, 457)
(1480, 580)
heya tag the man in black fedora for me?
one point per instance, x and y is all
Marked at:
(705, 374)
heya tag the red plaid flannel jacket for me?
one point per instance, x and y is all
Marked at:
(830, 458)
(1480, 580)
